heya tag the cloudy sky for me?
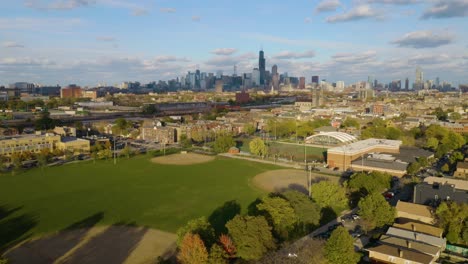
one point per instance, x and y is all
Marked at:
(92, 41)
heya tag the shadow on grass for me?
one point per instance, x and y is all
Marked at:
(49, 248)
(222, 215)
(114, 245)
(14, 229)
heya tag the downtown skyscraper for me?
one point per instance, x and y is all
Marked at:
(261, 67)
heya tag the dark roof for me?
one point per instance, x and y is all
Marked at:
(425, 193)
(382, 164)
(409, 154)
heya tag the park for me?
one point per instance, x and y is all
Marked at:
(142, 199)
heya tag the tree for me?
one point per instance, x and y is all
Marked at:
(251, 235)
(217, 255)
(185, 142)
(126, 151)
(199, 226)
(455, 116)
(307, 212)
(280, 214)
(369, 183)
(393, 133)
(227, 245)
(351, 122)
(223, 142)
(192, 250)
(376, 210)
(329, 194)
(413, 167)
(445, 168)
(249, 129)
(339, 248)
(456, 156)
(15, 159)
(258, 147)
(453, 140)
(453, 218)
(45, 122)
(441, 114)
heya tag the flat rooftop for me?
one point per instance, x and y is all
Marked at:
(381, 164)
(415, 236)
(366, 145)
(459, 184)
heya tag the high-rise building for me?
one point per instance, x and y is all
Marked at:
(419, 81)
(219, 86)
(302, 83)
(370, 81)
(256, 77)
(340, 86)
(72, 91)
(261, 67)
(275, 80)
(219, 74)
(407, 84)
(315, 79)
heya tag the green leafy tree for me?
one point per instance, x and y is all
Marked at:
(185, 142)
(280, 213)
(199, 226)
(307, 212)
(393, 133)
(453, 218)
(432, 143)
(339, 248)
(413, 167)
(455, 116)
(16, 161)
(453, 140)
(217, 255)
(45, 122)
(126, 151)
(192, 250)
(329, 194)
(351, 122)
(249, 129)
(456, 156)
(251, 235)
(445, 168)
(369, 183)
(223, 142)
(441, 114)
(258, 147)
(376, 211)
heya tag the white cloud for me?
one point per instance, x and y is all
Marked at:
(356, 13)
(328, 6)
(294, 55)
(196, 18)
(424, 39)
(395, 2)
(167, 10)
(224, 51)
(106, 39)
(12, 44)
(307, 20)
(447, 9)
(58, 4)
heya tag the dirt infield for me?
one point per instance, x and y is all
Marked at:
(111, 244)
(183, 159)
(282, 180)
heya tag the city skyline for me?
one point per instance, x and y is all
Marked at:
(94, 41)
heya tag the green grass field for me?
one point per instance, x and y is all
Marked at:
(134, 191)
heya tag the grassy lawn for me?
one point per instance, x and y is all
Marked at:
(135, 191)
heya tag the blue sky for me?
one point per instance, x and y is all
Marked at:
(110, 41)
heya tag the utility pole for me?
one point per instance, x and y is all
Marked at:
(309, 180)
(115, 158)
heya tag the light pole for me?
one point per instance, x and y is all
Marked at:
(115, 156)
(309, 179)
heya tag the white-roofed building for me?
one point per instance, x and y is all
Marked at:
(331, 138)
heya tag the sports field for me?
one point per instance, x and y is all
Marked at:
(136, 192)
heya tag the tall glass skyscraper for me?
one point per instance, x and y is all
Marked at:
(261, 67)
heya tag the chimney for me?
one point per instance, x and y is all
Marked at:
(413, 226)
(400, 253)
(408, 244)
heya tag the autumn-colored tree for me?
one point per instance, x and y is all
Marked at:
(192, 250)
(228, 245)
